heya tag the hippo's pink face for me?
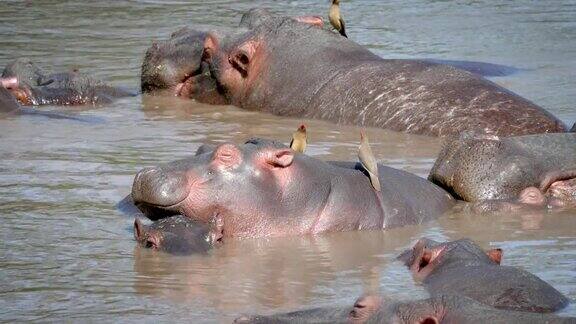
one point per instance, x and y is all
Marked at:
(245, 187)
(236, 67)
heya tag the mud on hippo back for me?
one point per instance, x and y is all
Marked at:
(533, 170)
(290, 68)
(263, 188)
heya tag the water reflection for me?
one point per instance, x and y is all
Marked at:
(67, 255)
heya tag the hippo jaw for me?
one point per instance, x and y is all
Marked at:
(158, 194)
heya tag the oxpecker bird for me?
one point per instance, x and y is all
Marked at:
(336, 19)
(368, 160)
(299, 139)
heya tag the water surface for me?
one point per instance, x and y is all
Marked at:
(67, 254)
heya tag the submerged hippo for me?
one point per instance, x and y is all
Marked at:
(290, 68)
(31, 85)
(9, 106)
(535, 169)
(264, 188)
(379, 310)
(462, 268)
(177, 235)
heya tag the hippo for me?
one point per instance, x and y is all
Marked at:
(533, 169)
(177, 235)
(289, 68)
(462, 268)
(31, 85)
(264, 188)
(9, 106)
(175, 66)
(446, 309)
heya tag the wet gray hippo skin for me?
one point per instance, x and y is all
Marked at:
(462, 268)
(34, 86)
(289, 68)
(178, 235)
(175, 67)
(525, 168)
(379, 310)
(263, 188)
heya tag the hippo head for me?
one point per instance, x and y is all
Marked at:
(176, 66)
(428, 255)
(20, 76)
(259, 187)
(382, 309)
(241, 64)
(178, 235)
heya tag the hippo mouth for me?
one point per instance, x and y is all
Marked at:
(156, 212)
(185, 88)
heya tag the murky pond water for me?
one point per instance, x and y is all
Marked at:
(67, 254)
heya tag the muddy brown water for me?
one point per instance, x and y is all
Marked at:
(67, 254)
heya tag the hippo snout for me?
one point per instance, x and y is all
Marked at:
(155, 189)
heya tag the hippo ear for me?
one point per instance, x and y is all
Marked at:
(316, 21)
(210, 47)
(279, 158)
(364, 308)
(241, 58)
(227, 156)
(429, 320)
(495, 255)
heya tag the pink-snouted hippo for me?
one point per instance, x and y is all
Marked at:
(462, 268)
(264, 188)
(290, 68)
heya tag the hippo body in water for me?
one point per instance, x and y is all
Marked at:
(462, 268)
(373, 309)
(178, 235)
(506, 173)
(264, 188)
(31, 85)
(289, 68)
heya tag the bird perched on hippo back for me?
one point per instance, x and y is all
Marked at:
(368, 161)
(483, 167)
(299, 139)
(336, 18)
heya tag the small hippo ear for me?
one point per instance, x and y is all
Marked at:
(316, 21)
(495, 255)
(364, 308)
(210, 47)
(280, 158)
(429, 320)
(227, 156)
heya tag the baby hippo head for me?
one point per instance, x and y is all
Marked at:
(428, 255)
(251, 187)
(178, 235)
